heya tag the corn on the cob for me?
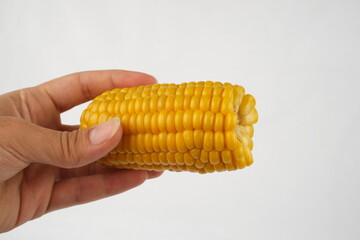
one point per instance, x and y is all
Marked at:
(199, 127)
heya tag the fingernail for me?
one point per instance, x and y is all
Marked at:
(104, 131)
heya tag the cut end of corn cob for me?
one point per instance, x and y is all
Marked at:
(198, 127)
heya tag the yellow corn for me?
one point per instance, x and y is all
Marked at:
(198, 127)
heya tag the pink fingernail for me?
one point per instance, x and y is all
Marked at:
(104, 131)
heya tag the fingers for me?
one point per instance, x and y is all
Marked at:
(27, 143)
(69, 128)
(88, 170)
(71, 90)
(154, 174)
(79, 190)
(94, 168)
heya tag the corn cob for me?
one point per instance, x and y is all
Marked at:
(198, 127)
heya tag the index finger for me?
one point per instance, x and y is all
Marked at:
(74, 89)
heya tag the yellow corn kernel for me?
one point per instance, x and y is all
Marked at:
(207, 91)
(194, 103)
(205, 103)
(219, 141)
(153, 103)
(186, 103)
(209, 168)
(138, 159)
(198, 117)
(148, 142)
(162, 117)
(191, 168)
(195, 153)
(230, 121)
(180, 91)
(187, 119)
(180, 143)
(130, 158)
(147, 123)
(161, 102)
(162, 141)
(228, 92)
(162, 89)
(217, 91)
(162, 158)
(250, 118)
(147, 159)
(170, 122)
(199, 138)
(199, 164)
(117, 106)
(248, 156)
(214, 157)
(215, 104)
(247, 105)
(119, 95)
(179, 116)
(198, 90)
(220, 167)
(141, 143)
(138, 104)
(171, 90)
(123, 107)
(226, 105)
(198, 127)
(131, 106)
(120, 148)
(140, 122)
(230, 167)
(155, 143)
(171, 158)
(155, 158)
(218, 123)
(189, 139)
(178, 102)
(246, 141)
(188, 159)
(154, 123)
(189, 90)
(126, 144)
(171, 142)
(179, 158)
(145, 92)
(133, 143)
(103, 117)
(209, 119)
(208, 141)
(230, 140)
(130, 92)
(102, 107)
(93, 119)
(226, 156)
(247, 130)
(204, 156)
(132, 124)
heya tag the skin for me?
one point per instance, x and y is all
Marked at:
(45, 165)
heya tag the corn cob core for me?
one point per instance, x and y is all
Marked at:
(198, 127)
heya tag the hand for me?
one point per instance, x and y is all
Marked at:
(45, 165)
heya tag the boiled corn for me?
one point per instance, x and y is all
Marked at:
(198, 127)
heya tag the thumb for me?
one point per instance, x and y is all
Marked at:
(33, 143)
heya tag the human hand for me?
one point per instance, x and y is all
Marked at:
(45, 165)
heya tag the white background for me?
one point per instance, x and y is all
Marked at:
(300, 59)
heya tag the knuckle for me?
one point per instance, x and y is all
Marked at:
(7, 122)
(71, 152)
(9, 127)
